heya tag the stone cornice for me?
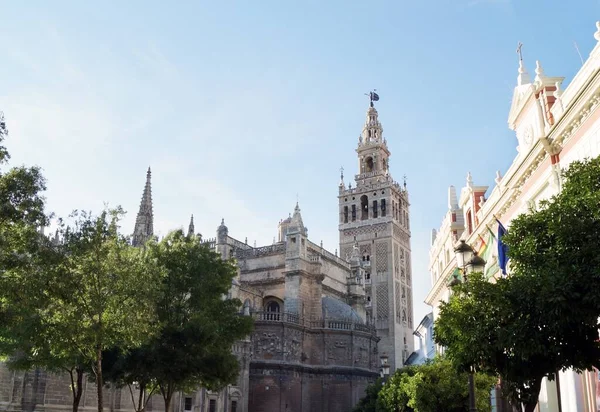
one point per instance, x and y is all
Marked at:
(577, 112)
(317, 369)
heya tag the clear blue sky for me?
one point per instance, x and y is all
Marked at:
(240, 106)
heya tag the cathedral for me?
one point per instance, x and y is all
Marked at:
(323, 323)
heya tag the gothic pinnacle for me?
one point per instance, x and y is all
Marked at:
(191, 229)
(144, 222)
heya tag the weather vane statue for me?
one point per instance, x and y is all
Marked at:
(373, 97)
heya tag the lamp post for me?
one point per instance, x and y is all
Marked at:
(469, 262)
(384, 370)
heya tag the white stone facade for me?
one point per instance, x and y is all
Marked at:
(553, 129)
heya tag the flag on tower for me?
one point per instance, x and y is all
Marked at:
(374, 97)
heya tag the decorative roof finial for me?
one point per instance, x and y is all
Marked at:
(373, 97)
(405, 181)
(498, 177)
(469, 179)
(539, 71)
(523, 77)
(342, 176)
(519, 51)
(597, 34)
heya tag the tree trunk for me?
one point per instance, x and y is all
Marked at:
(141, 399)
(79, 390)
(168, 396)
(99, 381)
(76, 387)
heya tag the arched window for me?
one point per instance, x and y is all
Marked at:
(383, 207)
(364, 207)
(369, 164)
(273, 308)
(345, 214)
(375, 208)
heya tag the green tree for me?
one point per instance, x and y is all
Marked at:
(26, 262)
(105, 294)
(370, 402)
(88, 292)
(435, 386)
(544, 317)
(198, 325)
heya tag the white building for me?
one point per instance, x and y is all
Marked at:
(424, 337)
(554, 127)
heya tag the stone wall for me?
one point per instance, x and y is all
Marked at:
(300, 367)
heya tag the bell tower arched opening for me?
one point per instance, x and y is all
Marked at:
(364, 207)
(369, 165)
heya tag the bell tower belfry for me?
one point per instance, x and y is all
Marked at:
(374, 214)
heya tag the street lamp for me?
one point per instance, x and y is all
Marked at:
(476, 264)
(384, 371)
(469, 262)
(463, 253)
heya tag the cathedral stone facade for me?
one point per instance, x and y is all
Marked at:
(322, 321)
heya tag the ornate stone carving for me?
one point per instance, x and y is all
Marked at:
(381, 257)
(396, 261)
(365, 249)
(383, 305)
(365, 229)
(401, 235)
(267, 344)
(397, 300)
(338, 349)
(292, 345)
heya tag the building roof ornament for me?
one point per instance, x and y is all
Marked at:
(469, 180)
(523, 77)
(539, 72)
(144, 222)
(597, 34)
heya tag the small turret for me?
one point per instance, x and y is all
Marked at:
(223, 233)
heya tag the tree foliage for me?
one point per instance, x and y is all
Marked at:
(370, 402)
(74, 298)
(198, 325)
(436, 386)
(544, 317)
(433, 387)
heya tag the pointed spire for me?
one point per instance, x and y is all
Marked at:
(191, 229)
(342, 177)
(297, 224)
(144, 223)
(539, 72)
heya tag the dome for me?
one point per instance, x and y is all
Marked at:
(337, 310)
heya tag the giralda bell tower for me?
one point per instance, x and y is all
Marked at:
(374, 213)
